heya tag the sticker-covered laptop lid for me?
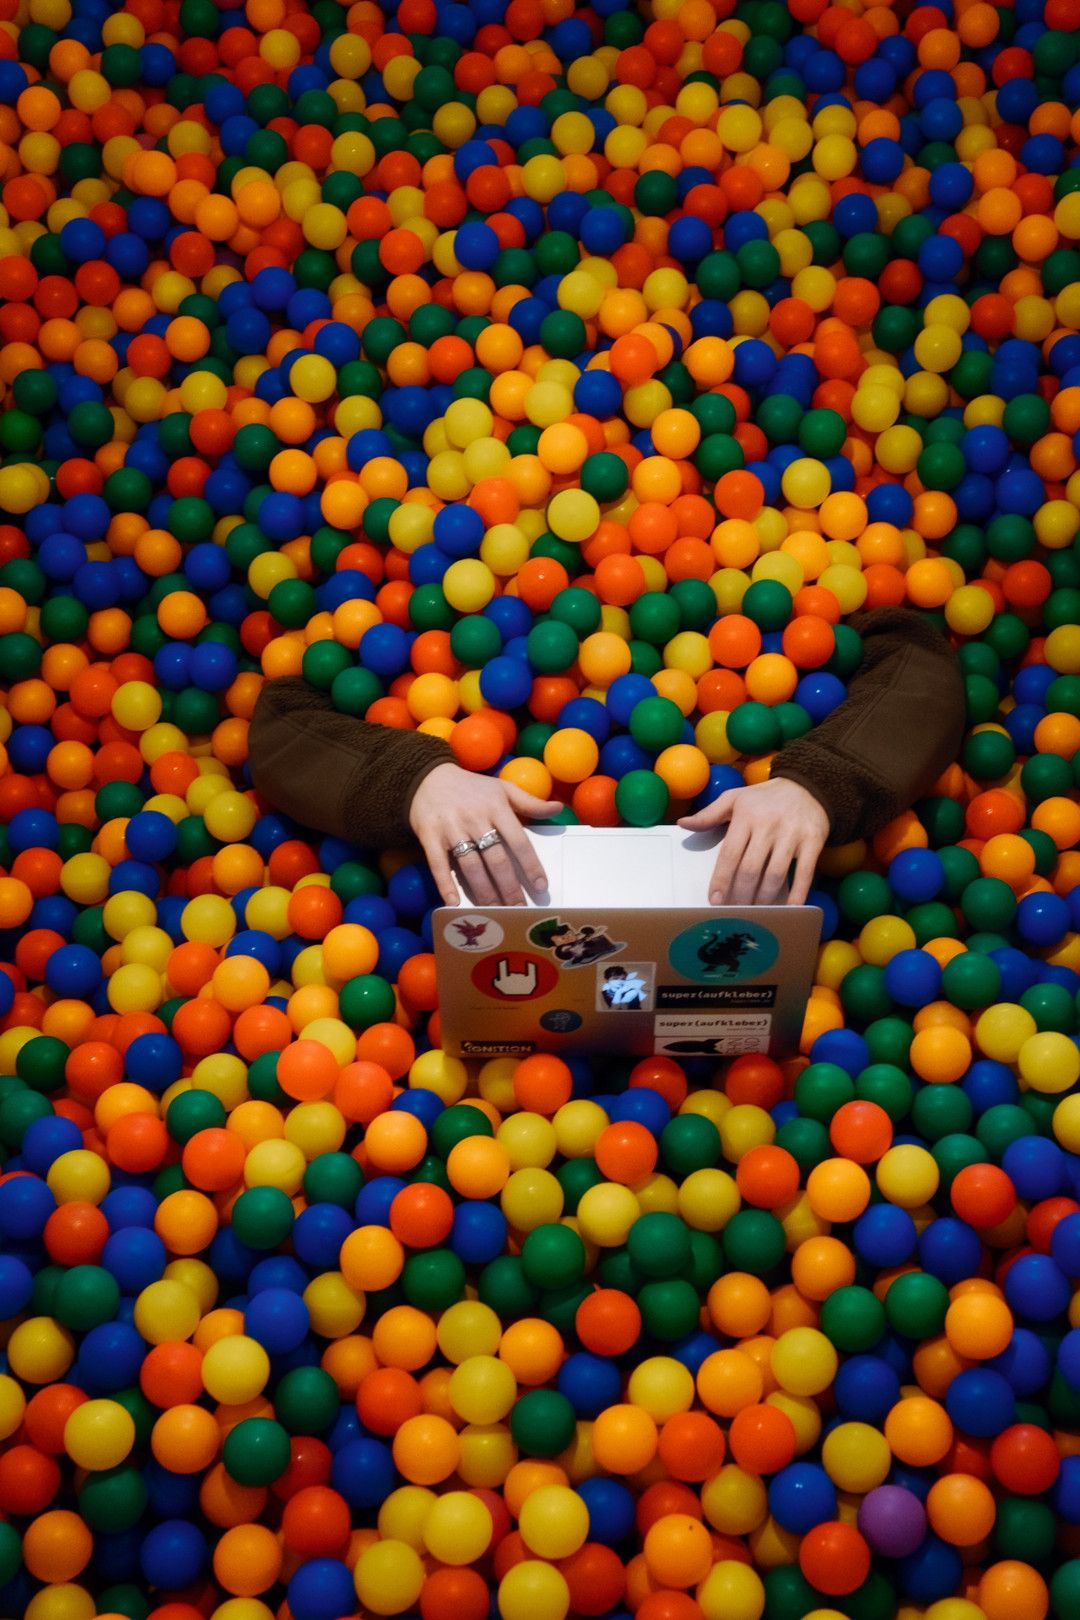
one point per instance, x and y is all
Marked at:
(619, 954)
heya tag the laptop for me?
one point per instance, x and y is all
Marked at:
(620, 954)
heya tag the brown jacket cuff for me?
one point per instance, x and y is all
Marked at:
(900, 725)
(333, 772)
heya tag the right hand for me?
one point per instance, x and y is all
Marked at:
(771, 826)
(452, 804)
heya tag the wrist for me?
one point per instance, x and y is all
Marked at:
(425, 769)
(811, 787)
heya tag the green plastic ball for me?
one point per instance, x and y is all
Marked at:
(262, 1217)
(641, 798)
(257, 1451)
(753, 1241)
(853, 1318)
(306, 1401)
(659, 1244)
(553, 1256)
(542, 1423)
(366, 1000)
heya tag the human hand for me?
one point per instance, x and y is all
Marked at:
(769, 826)
(451, 805)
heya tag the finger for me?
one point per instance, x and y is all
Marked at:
(529, 807)
(500, 870)
(727, 862)
(440, 869)
(748, 876)
(477, 879)
(805, 866)
(713, 815)
(775, 874)
(521, 849)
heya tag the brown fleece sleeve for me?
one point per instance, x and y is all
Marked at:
(900, 725)
(332, 772)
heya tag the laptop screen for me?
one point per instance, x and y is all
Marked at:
(647, 867)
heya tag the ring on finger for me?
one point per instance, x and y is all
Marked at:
(466, 846)
(489, 840)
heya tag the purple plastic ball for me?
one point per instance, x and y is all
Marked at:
(893, 1521)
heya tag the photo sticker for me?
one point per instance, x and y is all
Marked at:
(473, 932)
(572, 944)
(625, 986)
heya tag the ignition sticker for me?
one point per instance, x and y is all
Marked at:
(515, 976)
(574, 946)
(473, 933)
(723, 952)
(497, 1048)
(625, 986)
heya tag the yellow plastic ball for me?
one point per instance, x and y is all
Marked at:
(468, 585)
(572, 514)
(466, 1329)
(908, 1175)
(732, 1590)
(389, 1576)
(1049, 1062)
(458, 1528)
(856, 1457)
(12, 1406)
(554, 1522)
(166, 1310)
(806, 482)
(40, 1350)
(482, 1389)
(606, 1213)
(99, 1434)
(804, 1361)
(533, 1590)
(235, 1370)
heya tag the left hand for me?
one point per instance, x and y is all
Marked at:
(452, 804)
(769, 826)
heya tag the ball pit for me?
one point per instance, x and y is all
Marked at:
(556, 380)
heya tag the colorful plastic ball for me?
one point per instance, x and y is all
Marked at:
(99, 1434)
(801, 1496)
(892, 1520)
(320, 1589)
(458, 1529)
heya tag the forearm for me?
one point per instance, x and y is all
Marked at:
(899, 727)
(330, 771)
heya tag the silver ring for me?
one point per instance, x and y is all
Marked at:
(489, 840)
(467, 846)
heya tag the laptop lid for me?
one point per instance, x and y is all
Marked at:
(619, 954)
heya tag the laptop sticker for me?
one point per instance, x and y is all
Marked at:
(473, 933)
(561, 1021)
(730, 997)
(494, 1049)
(723, 952)
(513, 976)
(709, 1035)
(572, 945)
(625, 986)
